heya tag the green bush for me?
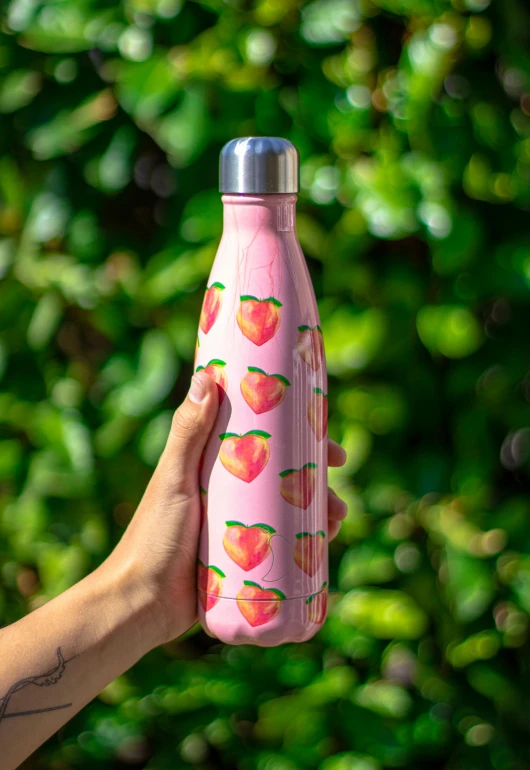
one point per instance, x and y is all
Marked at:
(412, 118)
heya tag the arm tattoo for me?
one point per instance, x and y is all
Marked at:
(42, 680)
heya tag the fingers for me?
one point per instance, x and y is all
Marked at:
(337, 508)
(190, 428)
(336, 454)
(333, 529)
(337, 511)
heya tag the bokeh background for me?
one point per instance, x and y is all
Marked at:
(412, 118)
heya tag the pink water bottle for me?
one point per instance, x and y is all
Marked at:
(263, 555)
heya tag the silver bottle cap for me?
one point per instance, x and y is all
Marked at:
(258, 164)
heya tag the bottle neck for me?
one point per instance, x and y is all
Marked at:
(253, 213)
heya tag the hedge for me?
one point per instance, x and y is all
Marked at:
(412, 118)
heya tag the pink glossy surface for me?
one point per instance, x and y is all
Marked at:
(259, 255)
(292, 624)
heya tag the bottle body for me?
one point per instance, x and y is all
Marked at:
(263, 553)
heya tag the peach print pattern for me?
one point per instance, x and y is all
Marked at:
(211, 306)
(245, 456)
(259, 319)
(215, 368)
(265, 464)
(263, 391)
(248, 546)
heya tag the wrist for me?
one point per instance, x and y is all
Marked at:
(132, 607)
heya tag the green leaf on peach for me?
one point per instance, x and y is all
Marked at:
(310, 599)
(216, 362)
(267, 527)
(222, 436)
(297, 470)
(251, 583)
(306, 328)
(281, 378)
(246, 297)
(203, 491)
(255, 369)
(199, 368)
(216, 569)
(300, 535)
(272, 300)
(235, 524)
(320, 532)
(261, 433)
(218, 285)
(320, 392)
(278, 593)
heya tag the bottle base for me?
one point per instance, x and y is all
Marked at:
(263, 623)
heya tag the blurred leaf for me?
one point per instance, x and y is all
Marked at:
(146, 89)
(18, 89)
(412, 120)
(450, 330)
(156, 373)
(383, 614)
(113, 170)
(71, 129)
(184, 131)
(353, 339)
(44, 321)
(384, 698)
(154, 438)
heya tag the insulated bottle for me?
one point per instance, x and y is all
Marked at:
(263, 554)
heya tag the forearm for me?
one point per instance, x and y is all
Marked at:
(59, 657)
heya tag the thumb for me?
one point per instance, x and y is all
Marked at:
(191, 426)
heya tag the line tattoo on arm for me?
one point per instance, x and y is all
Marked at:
(41, 680)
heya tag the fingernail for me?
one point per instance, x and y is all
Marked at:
(197, 391)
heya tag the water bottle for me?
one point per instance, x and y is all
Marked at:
(263, 554)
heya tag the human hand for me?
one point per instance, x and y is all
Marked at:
(157, 554)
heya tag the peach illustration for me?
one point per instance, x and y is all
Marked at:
(318, 605)
(309, 551)
(258, 605)
(245, 456)
(298, 486)
(259, 319)
(211, 306)
(215, 369)
(209, 583)
(317, 413)
(203, 506)
(311, 346)
(262, 391)
(247, 546)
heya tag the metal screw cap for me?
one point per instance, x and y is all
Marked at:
(258, 164)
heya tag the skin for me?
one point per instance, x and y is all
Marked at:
(142, 596)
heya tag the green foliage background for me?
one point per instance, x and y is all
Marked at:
(412, 118)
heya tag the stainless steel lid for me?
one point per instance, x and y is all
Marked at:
(258, 164)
